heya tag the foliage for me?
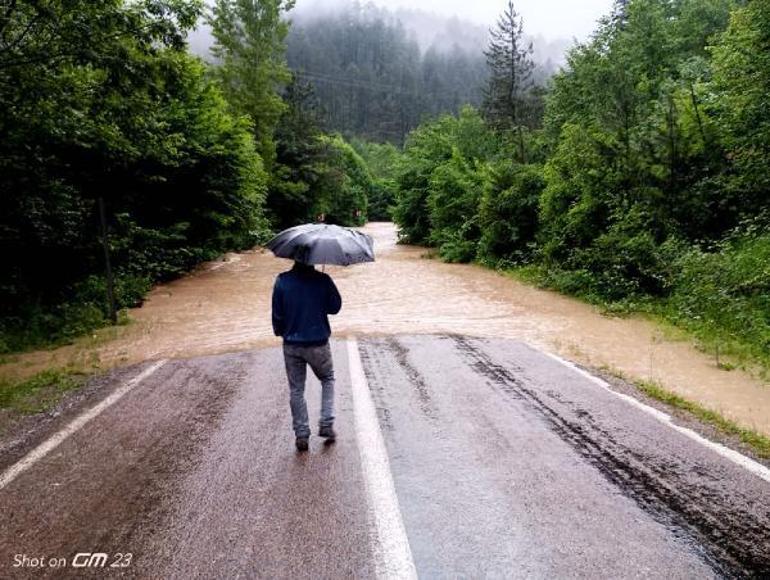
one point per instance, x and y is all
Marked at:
(101, 99)
(510, 64)
(381, 159)
(299, 151)
(508, 213)
(647, 185)
(317, 176)
(38, 393)
(344, 184)
(372, 79)
(723, 296)
(635, 154)
(249, 46)
(439, 158)
(122, 112)
(454, 189)
(742, 83)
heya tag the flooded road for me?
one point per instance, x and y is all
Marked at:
(225, 307)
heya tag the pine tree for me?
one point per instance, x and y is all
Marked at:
(510, 65)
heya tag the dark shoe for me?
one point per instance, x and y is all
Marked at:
(302, 443)
(327, 433)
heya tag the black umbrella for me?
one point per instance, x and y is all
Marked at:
(323, 244)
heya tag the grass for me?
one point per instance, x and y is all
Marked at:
(38, 393)
(759, 443)
(730, 350)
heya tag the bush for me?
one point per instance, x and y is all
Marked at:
(454, 189)
(723, 296)
(382, 196)
(508, 212)
(343, 184)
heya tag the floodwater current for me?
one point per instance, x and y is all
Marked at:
(225, 306)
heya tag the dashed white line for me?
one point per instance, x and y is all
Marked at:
(46, 447)
(392, 554)
(739, 459)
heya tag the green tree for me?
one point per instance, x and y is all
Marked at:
(382, 160)
(102, 100)
(344, 184)
(249, 48)
(299, 151)
(439, 183)
(510, 65)
(742, 84)
(454, 190)
(371, 76)
(508, 212)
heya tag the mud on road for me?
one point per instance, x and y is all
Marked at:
(721, 512)
(733, 529)
(225, 307)
(505, 463)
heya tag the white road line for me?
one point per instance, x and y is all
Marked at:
(46, 447)
(739, 459)
(393, 556)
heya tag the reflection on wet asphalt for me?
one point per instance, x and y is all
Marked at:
(505, 464)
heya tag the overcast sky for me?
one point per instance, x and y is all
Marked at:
(551, 18)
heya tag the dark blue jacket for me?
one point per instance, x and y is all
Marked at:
(302, 299)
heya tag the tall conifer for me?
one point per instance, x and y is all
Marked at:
(509, 59)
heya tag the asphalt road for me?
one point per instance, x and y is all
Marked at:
(456, 457)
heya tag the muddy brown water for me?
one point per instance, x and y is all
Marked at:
(224, 306)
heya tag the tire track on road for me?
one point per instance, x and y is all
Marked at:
(735, 540)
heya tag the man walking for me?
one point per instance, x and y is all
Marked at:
(302, 300)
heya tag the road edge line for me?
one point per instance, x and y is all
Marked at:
(738, 458)
(75, 425)
(393, 556)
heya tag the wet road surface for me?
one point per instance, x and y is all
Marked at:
(224, 306)
(504, 462)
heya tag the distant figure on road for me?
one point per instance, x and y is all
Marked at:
(302, 300)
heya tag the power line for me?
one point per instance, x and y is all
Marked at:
(370, 85)
(360, 84)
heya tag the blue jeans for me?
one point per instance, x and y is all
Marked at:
(319, 358)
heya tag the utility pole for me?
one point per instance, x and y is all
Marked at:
(108, 266)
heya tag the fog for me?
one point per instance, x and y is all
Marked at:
(550, 19)
(552, 25)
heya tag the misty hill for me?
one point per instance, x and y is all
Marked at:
(371, 77)
(431, 30)
(378, 73)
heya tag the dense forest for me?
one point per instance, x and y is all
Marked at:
(371, 77)
(636, 176)
(102, 105)
(378, 74)
(645, 183)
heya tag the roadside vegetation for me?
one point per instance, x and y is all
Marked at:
(103, 100)
(637, 179)
(38, 393)
(759, 443)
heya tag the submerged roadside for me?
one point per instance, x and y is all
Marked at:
(224, 307)
(712, 333)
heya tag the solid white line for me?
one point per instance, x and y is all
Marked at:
(392, 554)
(46, 447)
(739, 459)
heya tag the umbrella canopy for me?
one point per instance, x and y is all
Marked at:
(323, 244)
